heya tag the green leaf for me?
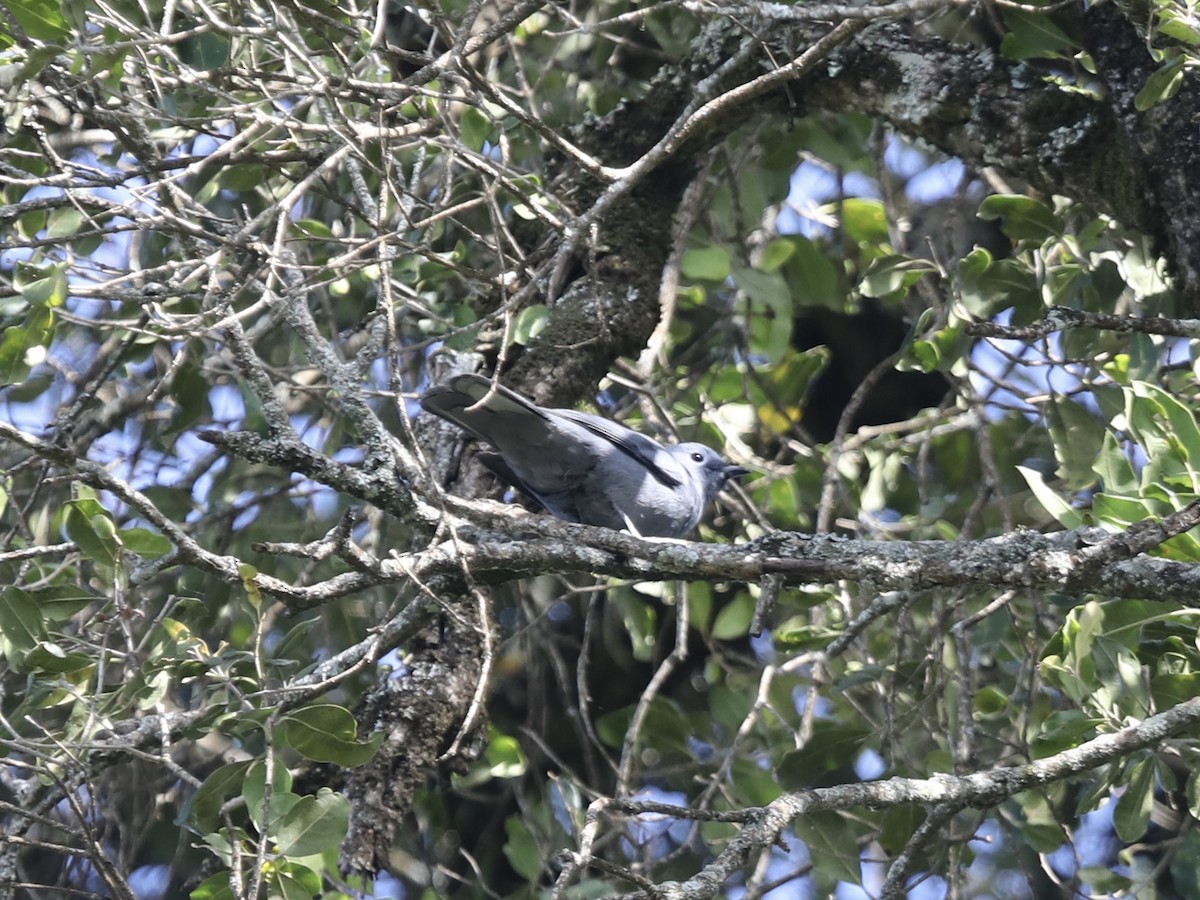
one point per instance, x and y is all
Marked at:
(940, 352)
(611, 726)
(864, 220)
(145, 543)
(189, 391)
(729, 706)
(1177, 23)
(41, 20)
(768, 310)
(1064, 284)
(775, 254)
(666, 726)
(832, 846)
(641, 624)
(248, 573)
(529, 323)
(314, 824)
(149, 686)
(1022, 218)
(800, 633)
(990, 701)
(1061, 731)
(51, 658)
(1037, 822)
(303, 877)
(59, 603)
(254, 790)
(1120, 671)
(733, 619)
(1078, 434)
(764, 288)
(897, 826)
(1132, 812)
(294, 882)
(790, 378)
(313, 228)
(91, 526)
(476, 128)
(1185, 865)
(24, 344)
(327, 733)
(1163, 83)
(1062, 511)
(1170, 689)
(521, 849)
(988, 286)
(1143, 358)
(244, 178)
(701, 606)
(504, 755)
(1167, 430)
(63, 223)
(1034, 35)
(215, 887)
(1120, 512)
(812, 277)
(206, 803)
(752, 784)
(893, 274)
(706, 264)
(1113, 467)
(21, 622)
(206, 51)
(833, 747)
(839, 143)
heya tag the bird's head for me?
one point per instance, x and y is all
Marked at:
(707, 469)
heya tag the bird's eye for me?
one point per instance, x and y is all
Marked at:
(697, 456)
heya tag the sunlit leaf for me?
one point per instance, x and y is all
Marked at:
(327, 733)
(1132, 812)
(314, 824)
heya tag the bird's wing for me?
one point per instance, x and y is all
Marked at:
(645, 450)
(498, 467)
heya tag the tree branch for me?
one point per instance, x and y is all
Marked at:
(765, 825)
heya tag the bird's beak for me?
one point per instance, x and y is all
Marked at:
(735, 472)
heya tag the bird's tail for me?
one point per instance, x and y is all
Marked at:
(478, 405)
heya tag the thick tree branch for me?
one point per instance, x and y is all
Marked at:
(989, 111)
(1061, 318)
(536, 545)
(1140, 167)
(508, 547)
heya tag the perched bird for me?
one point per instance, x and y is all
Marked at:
(584, 468)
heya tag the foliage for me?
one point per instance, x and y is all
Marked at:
(240, 240)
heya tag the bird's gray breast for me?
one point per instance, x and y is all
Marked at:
(642, 500)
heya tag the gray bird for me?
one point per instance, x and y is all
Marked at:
(583, 468)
